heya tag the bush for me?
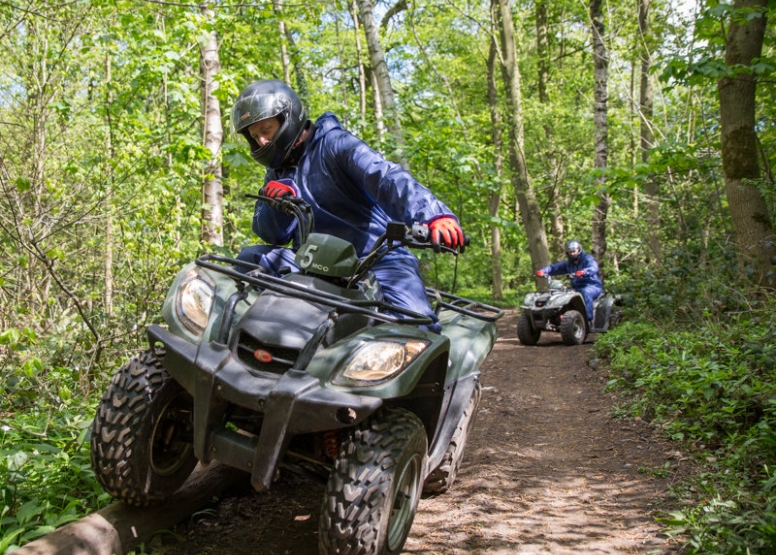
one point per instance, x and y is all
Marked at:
(708, 380)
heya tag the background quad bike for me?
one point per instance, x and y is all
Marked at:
(561, 309)
(147, 437)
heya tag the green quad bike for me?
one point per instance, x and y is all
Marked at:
(561, 309)
(310, 371)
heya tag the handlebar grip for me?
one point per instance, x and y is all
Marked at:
(466, 242)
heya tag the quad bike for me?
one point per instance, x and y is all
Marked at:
(562, 309)
(310, 371)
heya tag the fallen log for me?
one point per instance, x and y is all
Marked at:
(118, 528)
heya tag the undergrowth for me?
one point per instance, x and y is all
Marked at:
(45, 475)
(705, 373)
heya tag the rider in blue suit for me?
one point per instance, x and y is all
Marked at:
(584, 268)
(353, 191)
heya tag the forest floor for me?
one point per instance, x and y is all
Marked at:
(547, 470)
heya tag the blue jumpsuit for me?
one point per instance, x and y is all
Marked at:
(353, 192)
(589, 285)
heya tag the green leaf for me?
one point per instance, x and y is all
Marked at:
(9, 337)
(29, 511)
(236, 159)
(23, 184)
(32, 366)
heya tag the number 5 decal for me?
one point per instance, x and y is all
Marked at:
(307, 256)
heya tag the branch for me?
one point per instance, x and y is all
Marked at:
(399, 6)
(47, 262)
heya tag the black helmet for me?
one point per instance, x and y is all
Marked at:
(266, 99)
(573, 250)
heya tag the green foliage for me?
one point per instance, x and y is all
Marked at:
(45, 475)
(708, 379)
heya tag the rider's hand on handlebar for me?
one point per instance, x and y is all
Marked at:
(539, 273)
(446, 231)
(580, 273)
(276, 189)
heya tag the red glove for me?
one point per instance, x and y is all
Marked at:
(580, 273)
(276, 189)
(445, 230)
(539, 273)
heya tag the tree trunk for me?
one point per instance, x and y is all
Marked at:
(601, 133)
(108, 264)
(300, 75)
(526, 198)
(361, 70)
(212, 136)
(383, 79)
(751, 221)
(553, 167)
(646, 99)
(494, 197)
(277, 6)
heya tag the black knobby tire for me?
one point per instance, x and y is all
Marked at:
(141, 443)
(373, 491)
(526, 333)
(573, 328)
(443, 476)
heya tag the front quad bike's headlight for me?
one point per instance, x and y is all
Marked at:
(195, 299)
(376, 362)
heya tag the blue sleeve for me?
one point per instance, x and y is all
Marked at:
(271, 225)
(589, 264)
(558, 268)
(388, 184)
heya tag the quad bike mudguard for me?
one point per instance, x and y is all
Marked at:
(293, 402)
(471, 340)
(602, 315)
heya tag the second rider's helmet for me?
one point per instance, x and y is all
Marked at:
(573, 250)
(267, 99)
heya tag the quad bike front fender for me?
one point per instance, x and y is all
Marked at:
(291, 403)
(455, 401)
(471, 340)
(604, 312)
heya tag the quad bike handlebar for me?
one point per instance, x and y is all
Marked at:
(416, 237)
(397, 235)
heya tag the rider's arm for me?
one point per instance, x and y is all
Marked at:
(557, 268)
(272, 225)
(388, 184)
(589, 265)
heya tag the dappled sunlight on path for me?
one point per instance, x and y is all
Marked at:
(547, 469)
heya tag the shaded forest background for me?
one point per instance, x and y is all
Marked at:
(643, 129)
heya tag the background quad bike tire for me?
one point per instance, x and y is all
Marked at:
(373, 491)
(526, 333)
(443, 476)
(573, 327)
(141, 448)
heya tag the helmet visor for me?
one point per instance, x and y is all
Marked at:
(256, 107)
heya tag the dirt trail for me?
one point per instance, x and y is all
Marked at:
(547, 470)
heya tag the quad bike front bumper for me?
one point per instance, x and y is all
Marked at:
(289, 404)
(546, 318)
